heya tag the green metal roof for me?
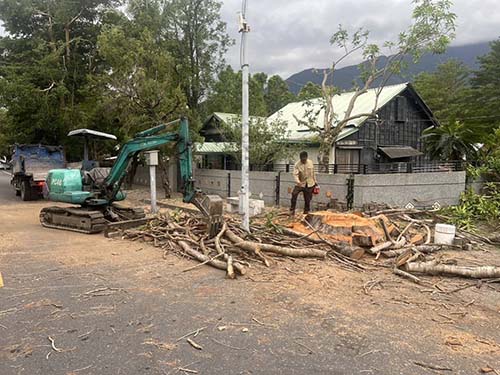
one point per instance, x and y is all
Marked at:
(364, 104)
(230, 118)
(215, 147)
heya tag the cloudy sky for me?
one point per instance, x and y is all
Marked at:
(289, 36)
(292, 35)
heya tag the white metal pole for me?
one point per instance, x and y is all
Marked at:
(152, 181)
(152, 161)
(245, 164)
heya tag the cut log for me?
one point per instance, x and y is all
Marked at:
(286, 251)
(407, 275)
(377, 249)
(343, 248)
(426, 249)
(430, 268)
(230, 268)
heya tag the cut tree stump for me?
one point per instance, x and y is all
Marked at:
(348, 228)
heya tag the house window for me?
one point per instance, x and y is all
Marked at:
(347, 156)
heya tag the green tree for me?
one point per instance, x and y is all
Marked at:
(45, 61)
(310, 91)
(445, 90)
(450, 141)
(269, 141)
(277, 94)
(198, 41)
(484, 104)
(141, 83)
(226, 94)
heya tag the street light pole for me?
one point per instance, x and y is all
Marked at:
(245, 164)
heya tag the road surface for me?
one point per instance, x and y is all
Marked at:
(83, 304)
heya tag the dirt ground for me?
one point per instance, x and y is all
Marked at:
(80, 304)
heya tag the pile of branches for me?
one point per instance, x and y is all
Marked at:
(412, 258)
(234, 250)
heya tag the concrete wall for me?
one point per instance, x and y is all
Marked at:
(419, 189)
(331, 186)
(142, 176)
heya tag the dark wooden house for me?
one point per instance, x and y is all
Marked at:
(394, 136)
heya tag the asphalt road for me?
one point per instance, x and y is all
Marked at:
(115, 307)
(81, 304)
(6, 191)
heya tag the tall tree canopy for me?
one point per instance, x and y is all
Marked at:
(74, 63)
(198, 41)
(266, 95)
(445, 90)
(45, 62)
(310, 91)
(277, 94)
(484, 107)
(140, 85)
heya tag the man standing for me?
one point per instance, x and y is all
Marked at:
(305, 180)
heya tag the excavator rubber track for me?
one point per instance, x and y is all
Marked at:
(73, 219)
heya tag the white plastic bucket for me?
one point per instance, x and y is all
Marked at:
(444, 234)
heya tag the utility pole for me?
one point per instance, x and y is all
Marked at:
(245, 163)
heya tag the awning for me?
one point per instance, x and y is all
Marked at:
(90, 133)
(400, 152)
(215, 147)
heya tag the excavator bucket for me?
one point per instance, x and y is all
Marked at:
(212, 208)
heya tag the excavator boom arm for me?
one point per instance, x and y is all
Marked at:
(147, 140)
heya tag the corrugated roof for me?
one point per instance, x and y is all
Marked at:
(214, 147)
(364, 104)
(230, 118)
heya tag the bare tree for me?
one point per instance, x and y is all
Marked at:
(432, 29)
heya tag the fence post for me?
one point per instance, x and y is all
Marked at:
(278, 189)
(365, 168)
(335, 169)
(287, 168)
(229, 185)
(350, 192)
(409, 167)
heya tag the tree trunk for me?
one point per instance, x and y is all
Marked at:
(324, 155)
(431, 268)
(129, 181)
(164, 168)
(68, 49)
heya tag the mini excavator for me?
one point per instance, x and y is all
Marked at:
(96, 192)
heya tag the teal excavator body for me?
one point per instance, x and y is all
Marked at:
(96, 191)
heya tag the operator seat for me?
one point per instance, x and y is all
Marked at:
(94, 177)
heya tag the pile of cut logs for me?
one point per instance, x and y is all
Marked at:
(339, 237)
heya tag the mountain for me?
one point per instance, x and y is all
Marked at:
(344, 77)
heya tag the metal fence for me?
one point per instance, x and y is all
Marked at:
(379, 168)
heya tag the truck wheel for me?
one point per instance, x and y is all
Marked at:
(26, 191)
